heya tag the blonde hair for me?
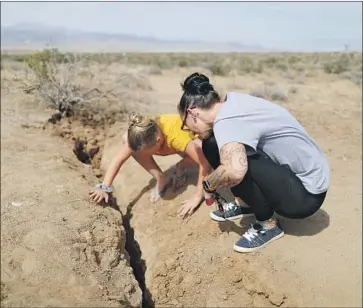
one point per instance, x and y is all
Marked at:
(142, 132)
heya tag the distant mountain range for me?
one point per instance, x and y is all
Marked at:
(27, 36)
(34, 36)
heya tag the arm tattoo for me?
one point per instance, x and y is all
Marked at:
(233, 166)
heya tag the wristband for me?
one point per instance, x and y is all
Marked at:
(104, 187)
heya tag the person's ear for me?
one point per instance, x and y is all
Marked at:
(158, 139)
(194, 113)
(190, 111)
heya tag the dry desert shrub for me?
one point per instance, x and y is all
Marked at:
(345, 65)
(337, 65)
(270, 91)
(88, 97)
(223, 64)
(293, 89)
(52, 77)
(249, 65)
(75, 86)
(355, 77)
(219, 69)
(154, 70)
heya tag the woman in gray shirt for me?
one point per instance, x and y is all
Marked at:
(260, 151)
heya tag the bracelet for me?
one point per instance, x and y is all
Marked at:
(207, 187)
(104, 187)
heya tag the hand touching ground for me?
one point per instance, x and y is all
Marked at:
(98, 195)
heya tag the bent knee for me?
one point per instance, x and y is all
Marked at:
(210, 145)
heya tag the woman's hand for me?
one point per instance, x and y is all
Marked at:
(188, 207)
(98, 195)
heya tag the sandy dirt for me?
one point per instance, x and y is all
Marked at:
(57, 249)
(187, 263)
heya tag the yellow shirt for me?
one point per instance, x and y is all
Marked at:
(176, 140)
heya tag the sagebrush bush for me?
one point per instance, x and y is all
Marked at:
(52, 77)
(337, 66)
(270, 92)
(248, 65)
(220, 69)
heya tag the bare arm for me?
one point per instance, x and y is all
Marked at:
(233, 166)
(195, 152)
(124, 153)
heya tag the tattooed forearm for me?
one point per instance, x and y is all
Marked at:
(233, 155)
(233, 166)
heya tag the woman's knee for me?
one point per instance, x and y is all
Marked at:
(211, 151)
(210, 144)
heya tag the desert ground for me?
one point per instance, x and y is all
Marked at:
(60, 250)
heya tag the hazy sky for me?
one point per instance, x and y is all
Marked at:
(266, 23)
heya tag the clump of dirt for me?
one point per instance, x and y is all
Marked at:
(88, 132)
(4, 291)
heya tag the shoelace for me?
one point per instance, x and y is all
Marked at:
(229, 206)
(251, 233)
(220, 202)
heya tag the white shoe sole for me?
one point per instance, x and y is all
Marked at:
(218, 218)
(241, 249)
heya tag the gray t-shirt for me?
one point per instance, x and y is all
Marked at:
(258, 123)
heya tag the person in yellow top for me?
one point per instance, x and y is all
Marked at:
(162, 136)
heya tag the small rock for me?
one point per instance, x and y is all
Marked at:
(198, 280)
(174, 302)
(97, 118)
(276, 299)
(181, 293)
(14, 203)
(88, 131)
(179, 279)
(75, 253)
(89, 237)
(100, 137)
(97, 173)
(237, 279)
(92, 142)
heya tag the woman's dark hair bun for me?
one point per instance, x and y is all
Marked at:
(197, 84)
(204, 88)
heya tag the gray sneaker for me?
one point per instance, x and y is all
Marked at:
(231, 211)
(257, 237)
